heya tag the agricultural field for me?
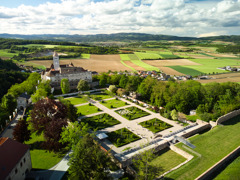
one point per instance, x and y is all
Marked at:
(6, 54)
(211, 147)
(148, 56)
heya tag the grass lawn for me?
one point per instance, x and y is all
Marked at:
(87, 109)
(101, 121)
(122, 137)
(231, 172)
(213, 146)
(192, 118)
(155, 125)
(42, 159)
(132, 113)
(113, 103)
(77, 100)
(100, 96)
(166, 160)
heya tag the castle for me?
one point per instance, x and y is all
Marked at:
(58, 72)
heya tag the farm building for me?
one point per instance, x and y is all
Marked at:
(57, 72)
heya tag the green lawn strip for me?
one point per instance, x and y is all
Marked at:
(41, 158)
(101, 121)
(167, 160)
(213, 146)
(77, 100)
(192, 118)
(124, 57)
(85, 56)
(145, 56)
(155, 125)
(87, 109)
(100, 96)
(232, 171)
(186, 70)
(127, 65)
(132, 113)
(5, 53)
(122, 137)
(113, 103)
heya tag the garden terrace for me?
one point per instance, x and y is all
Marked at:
(100, 121)
(113, 103)
(122, 137)
(155, 125)
(132, 113)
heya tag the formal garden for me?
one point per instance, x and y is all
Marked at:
(155, 125)
(100, 121)
(122, 137)
(78, 100)
(114, 103)
(132, 113)
(100, 96)
(87, 109)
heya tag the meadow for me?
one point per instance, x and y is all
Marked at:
(5, 53)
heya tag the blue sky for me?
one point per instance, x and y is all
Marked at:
(174, 17)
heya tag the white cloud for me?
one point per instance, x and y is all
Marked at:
(175, 17)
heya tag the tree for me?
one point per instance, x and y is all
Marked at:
(123, 81)
(112, 88)
(174, 115)
(21, 132)
(49, 117)
(71, 109)
(9, 103)
(88, 161)
(39, 94)
(103, 80)
(145, 170)
(83, 85)
(65, 86)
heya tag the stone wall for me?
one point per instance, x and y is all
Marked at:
(207, 174)
(228, 116)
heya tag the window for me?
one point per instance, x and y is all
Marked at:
(16, 171)
(21, 164)
(24, 160)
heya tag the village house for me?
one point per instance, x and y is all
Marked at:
(15, 159)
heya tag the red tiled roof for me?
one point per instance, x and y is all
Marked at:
(10, 154)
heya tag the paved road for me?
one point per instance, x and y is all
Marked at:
(9, 130)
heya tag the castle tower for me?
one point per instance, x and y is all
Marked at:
(56, 61)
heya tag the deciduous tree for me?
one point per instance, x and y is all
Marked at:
(83, 85)
(65, 86)
(21, 132)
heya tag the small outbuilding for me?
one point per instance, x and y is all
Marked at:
(23, 101)
(102, 136)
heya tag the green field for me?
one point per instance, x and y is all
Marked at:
(87, 109)
(148, 56)
(77, 100)
(124, 57)
(212, 146)
(207, 66)
(5, 53)
(122, 61)
(113, 103)
(39, 45)
(133, 57)
(85, 56)
(186, 70)
(145, 65)
(231, 172)
(41, 158)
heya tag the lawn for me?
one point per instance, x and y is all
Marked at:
(166, 160)
(231, 172)
(213, 146)
(41, 158)
(87, 109)
(77, 100)
(155, 125)
(113, 103)
(122, 137)
(101, 121)
(132, 113)
(5, 53)
(100, 96)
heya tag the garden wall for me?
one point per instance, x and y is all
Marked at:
(208, 174)
(228, 116)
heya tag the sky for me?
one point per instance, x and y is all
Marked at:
(196, 18)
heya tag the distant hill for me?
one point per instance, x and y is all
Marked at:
(123, 37)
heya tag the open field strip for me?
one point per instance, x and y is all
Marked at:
(85, 56)
(213, 146)
(143, 56)
(145, 65)
(124, 57)
(186, 70)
